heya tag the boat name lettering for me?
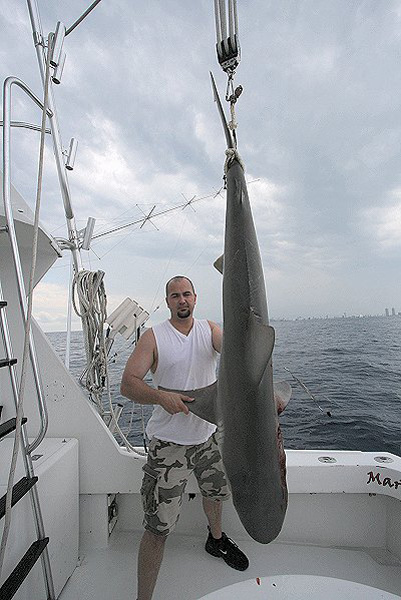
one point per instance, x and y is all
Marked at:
(386, 481)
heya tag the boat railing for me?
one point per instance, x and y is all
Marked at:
(29, 341)
(7, 89)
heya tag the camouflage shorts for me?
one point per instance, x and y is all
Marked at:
(166, 474)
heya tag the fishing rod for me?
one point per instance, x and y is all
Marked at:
(311, 396)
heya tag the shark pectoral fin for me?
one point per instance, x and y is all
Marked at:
(204, 401)
(219, 264)
(282, 395)
(262, 337)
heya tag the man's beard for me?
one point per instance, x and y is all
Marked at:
(183, 313)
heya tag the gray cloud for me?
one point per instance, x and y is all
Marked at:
(318, 125)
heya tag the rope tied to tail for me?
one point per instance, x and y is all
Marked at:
(231, 155)
(232, 96)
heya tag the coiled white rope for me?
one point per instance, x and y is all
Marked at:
(20, 404)
(92, 303)
(91, 307)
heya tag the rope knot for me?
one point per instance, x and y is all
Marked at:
(231, 155)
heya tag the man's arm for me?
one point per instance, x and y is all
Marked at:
(133, 386)
(217, 336)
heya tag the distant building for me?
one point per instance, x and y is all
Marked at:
(393, 312)
(387, 312)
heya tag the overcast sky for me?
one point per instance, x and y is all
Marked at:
(319, 130)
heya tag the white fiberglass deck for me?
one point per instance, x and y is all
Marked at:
(302, 587)
(189, 573)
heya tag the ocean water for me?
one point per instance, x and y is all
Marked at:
(351, 367)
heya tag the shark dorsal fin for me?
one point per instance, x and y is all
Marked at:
(219, 264)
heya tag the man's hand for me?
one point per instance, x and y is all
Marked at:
(174, 403)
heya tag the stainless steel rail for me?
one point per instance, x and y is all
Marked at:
(9, 82)
(56, 137)
(24, 125)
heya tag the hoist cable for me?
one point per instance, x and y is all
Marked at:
(217, 21)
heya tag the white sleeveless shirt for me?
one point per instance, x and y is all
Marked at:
(185, 362)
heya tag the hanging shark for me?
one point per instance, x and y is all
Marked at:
(243, 401)
(252, 449)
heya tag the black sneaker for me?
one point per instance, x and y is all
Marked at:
(228, 550)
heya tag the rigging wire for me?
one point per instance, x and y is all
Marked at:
(117, 220)
(113, 247)
(82, 17)
(198, 257)
(184, 220)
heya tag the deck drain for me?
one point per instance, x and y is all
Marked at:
(327, 459)
(384, 459)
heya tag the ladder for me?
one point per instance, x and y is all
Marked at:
(25, 485)
(28, 483)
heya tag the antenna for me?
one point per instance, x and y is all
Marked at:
(162, 212)
(147, 217)
(57, 46)
(188, 202)
(71, 154)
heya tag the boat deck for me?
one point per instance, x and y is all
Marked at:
(189, 573)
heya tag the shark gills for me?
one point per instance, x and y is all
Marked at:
(243, 401)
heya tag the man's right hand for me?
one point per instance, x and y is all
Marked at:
(174, 403)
